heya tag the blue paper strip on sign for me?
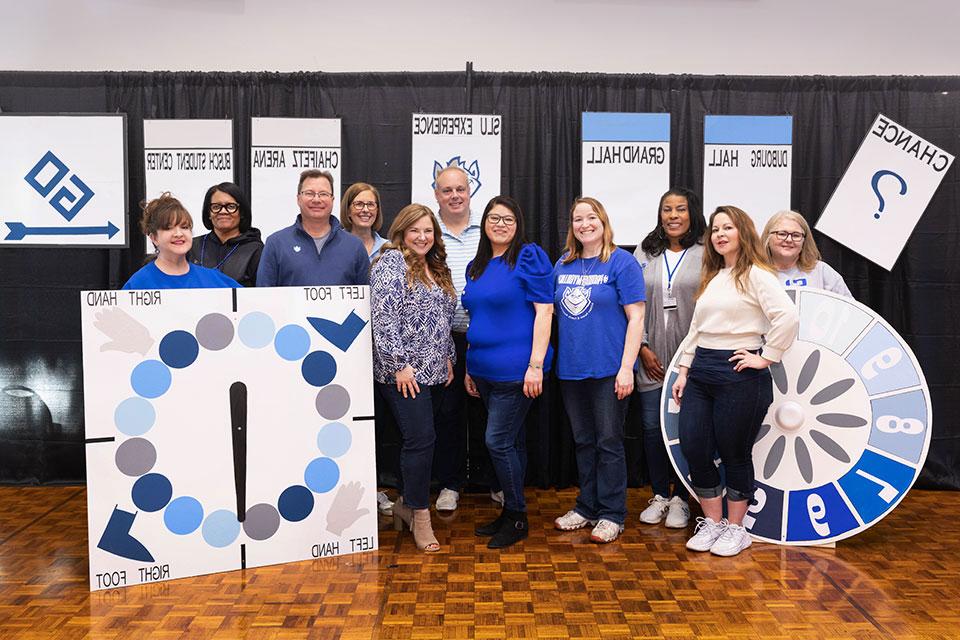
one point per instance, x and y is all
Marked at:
(748, 130)
(626, 127)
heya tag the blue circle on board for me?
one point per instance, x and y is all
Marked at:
(319, 368)
(152, 492)
(134, 416)
(295, 503)
(256, 330)
(292, 342)
(179, 349)
(334, 439)
(321, 475)
(150, 379)
(183, 515)
(220, 528)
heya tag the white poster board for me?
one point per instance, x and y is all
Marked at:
(282, 149)
(63, 180)
(625, 164)
(884, 191)
(471, 142)
(187, 157)
(747, 163)
(204, 404)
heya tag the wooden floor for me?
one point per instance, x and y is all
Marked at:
(900, 579)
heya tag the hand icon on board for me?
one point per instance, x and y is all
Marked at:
(344, 512)
(125, 333)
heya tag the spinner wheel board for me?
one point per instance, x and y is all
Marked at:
(848, 430)
(204, 404)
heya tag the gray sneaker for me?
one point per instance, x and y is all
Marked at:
(732, 541)
(706, 533)
(606, 531)
(655, 512)
(571, 521)
(678, 513)
(384, 504)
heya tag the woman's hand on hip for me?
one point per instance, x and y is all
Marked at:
(746, 360)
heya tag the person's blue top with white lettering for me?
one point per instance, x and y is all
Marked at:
(500, 304)
(150, 277)
(589, 297)
(290, 258)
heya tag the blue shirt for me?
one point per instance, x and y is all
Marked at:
(150, 277)
(378, 241)
(500, 304)
(290, 258)
(591, 323)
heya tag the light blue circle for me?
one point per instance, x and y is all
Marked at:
(150, 379)
(221, 528)
(334, 439)
(256, 330)
(292, 342)
(134, 416)
(183, 515)
(321, 475)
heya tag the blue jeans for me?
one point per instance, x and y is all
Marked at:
(721, 412)
(661, 472)
(415, 417)
(596, 417)
(507, 436)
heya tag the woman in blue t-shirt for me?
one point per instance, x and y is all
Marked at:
(509, 295)
(599, 294)
(169, 225)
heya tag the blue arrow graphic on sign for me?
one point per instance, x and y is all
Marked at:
(18, 231)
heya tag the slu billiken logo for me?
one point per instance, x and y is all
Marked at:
(576, 302)
(473, 172)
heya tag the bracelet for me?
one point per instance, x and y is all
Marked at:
(534, 366)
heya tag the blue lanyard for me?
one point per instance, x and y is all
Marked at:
(667, 263)
(203, 249)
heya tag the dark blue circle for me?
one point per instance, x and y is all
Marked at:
(295, 503)
(319, 368)
(179, 349)
(152, 492)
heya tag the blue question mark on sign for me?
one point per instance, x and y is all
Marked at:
(876, 181)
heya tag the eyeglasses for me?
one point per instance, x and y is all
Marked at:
(360, 206)
(796, 236)
(507, 220)
(230, 207)
(310, 195)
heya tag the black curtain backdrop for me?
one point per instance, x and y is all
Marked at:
(41, 404)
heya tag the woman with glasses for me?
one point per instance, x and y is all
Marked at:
(232, 246)
(509, 296)
(794, 253)
(361, 215)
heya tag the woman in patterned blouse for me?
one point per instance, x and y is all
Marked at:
(413, 301)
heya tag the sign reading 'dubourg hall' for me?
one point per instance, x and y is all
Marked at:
(884, 191)
(747, 163)
(625, 164)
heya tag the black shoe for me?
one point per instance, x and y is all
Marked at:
(491, 528)
(513, 529)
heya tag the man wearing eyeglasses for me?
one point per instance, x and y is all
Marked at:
(315, 249)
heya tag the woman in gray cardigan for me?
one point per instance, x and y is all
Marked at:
(670, 257)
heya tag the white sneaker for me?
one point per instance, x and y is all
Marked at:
(571, 521)
(384, 504)
(496, 496)
(654, 513)
(678, 513)
(706, 533)
(732, 541)
(606, 531)
(447, 500)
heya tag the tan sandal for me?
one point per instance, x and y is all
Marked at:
(418, 521)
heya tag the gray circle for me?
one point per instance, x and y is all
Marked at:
(333, 402)
(214, 331)
(135, 456)
(262, 521)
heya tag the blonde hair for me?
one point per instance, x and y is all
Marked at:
(809, 254)
(573, 248)
(436, 258)
(750, 253)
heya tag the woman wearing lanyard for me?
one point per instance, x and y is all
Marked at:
(599, 299)
(742, 324)
(670, 257)
(233, 246)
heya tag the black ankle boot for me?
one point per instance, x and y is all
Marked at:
(491, 528)
(513, 529)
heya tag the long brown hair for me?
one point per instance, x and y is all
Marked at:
(574, 249)
(809, 254)
(436, 258)
(750, 253)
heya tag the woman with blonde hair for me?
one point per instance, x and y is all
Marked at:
(793, 251)
(361, 215)
(743, 322)
(412, 305)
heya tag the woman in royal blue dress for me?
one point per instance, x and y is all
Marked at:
(509, 296)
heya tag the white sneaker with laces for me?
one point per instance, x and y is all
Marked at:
(732, 541)
(447, 500)
(496, 496)
(384, 504)
(606, 531)
(654, 513)
(678, 513)
(706, 533)
(571, 521)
